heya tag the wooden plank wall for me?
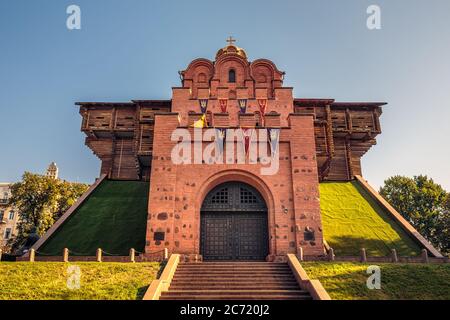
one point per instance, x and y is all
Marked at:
(121, 135)
(343, 136)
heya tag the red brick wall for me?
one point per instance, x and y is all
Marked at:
(177, 191)
(291, 195)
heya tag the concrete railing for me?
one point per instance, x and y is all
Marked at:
(314, 287)
(163, 283)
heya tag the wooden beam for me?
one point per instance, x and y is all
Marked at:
(348, 156)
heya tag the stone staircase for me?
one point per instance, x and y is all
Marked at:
(234, 281)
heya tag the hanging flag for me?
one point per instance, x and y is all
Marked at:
(203, 105)
(242, 106)
(201, 123)
(220, 140)
(247, 134)
(274, 139)
(223, 105)
(262, 108)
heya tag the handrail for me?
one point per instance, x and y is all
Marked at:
(314, 287)
(163, 283)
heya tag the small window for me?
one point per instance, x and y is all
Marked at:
(201, 78)
(11, 215)
(247, 196)
(7, 233)
(159, 236)
(221, 196)
(2, 214)
(232, 76)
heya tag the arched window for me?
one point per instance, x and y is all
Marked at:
(201, 78)
(232, 76)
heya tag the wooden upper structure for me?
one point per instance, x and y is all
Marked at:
(121, 134)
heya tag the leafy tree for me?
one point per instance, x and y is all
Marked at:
(41, 201)
(425, 204)
(69, 193)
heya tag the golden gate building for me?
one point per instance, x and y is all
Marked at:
(231, 211)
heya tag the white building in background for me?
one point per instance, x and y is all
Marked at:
(9, 216)
(52, 171)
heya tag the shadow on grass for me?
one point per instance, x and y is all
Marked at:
(141, 292)
(348, 281)
(161, 269)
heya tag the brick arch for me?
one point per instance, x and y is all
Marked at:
(269, 65)
(235, 175)
(197, 67)
(236, 62)
(197, 63)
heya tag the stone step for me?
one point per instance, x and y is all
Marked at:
(234, 285)
(213, 264)
(200, 275)
(230, 269)
(262, 282)
(213, 286)
(247, 270)
(284, 266)
(234, 281)
(234, 277)
(233, 264)
(231, 277)
(237, 292)
(228, 273)
(233, 297)
(236, 295)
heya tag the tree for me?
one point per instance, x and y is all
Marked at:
(443, 229)
(41, 201)
(425, 204)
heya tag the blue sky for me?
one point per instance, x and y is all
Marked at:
(133, 50)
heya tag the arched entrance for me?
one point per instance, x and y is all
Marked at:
(234, 224)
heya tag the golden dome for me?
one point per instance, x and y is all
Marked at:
(231, 49)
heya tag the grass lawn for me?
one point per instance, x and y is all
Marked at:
(128, 281)
(113, 218)
(351, 220)
(98, 281)
(347, 281)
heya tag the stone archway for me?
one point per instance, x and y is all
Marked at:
(234, 223)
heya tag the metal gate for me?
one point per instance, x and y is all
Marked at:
(234, 224)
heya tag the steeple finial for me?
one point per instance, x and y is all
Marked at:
(230, 40)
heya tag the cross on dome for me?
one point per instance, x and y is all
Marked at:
(231, 41)
(231, 48)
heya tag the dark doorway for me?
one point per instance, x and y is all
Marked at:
(234, 224)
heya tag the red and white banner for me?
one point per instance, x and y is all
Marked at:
(248, 135)
(262, 103)
(223, 105)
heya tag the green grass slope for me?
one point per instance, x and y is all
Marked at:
(352, 220)
(348, 281)
(113, 218)
(98, 281)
